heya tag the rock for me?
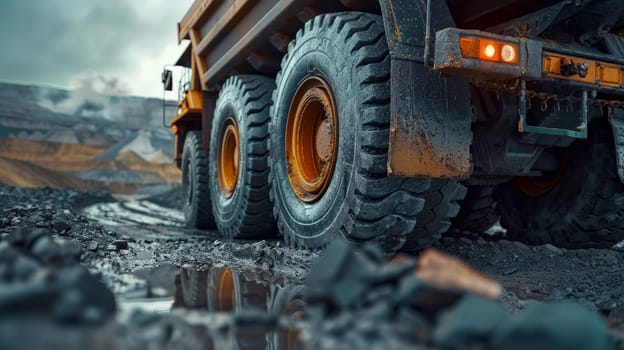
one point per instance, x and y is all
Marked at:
(5, 273)
(552, 249)
(467, 324)
(413, 325)
(447, 272)
(391, 272)
(34, 236)
(23, 267)
(322, 285)
(92, 246)
(128, 238)
(69, 306)
(331, 263)
(347, 292)
(47, 251)
(93, 294)
(60, 224)
(420, 295)
(18, 237)
(559, 326)
(373, 252)
(120, 244)
(8, 253)
(379, 294)
(71, 249)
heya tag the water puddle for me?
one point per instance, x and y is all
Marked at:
(255, 302)
(240, 309)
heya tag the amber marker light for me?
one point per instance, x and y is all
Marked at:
(489, 50)
(509, 54)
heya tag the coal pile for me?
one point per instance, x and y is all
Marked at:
(358, 301)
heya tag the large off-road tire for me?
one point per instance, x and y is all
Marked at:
(193, 286)
(339, 66)
(585, 208)
(478, 210)
(239, 155)
(195, 184)
(441, 206)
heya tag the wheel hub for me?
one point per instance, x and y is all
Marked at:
(311, 139)
(541, 185)
(228, 157)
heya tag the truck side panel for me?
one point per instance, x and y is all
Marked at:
(244, 36)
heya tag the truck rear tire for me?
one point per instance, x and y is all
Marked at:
(478, 210)
(195, 186)
(585, 208)
(329, 139)
(441, 206)
(239, 155)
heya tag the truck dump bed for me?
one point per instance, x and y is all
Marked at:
(245, 36)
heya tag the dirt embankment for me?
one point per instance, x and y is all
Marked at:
(25, 174)
(27, 163)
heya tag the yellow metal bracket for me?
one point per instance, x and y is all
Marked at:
(555, 65)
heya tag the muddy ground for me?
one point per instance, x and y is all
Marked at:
(138, 247)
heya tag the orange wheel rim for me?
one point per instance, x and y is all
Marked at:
(540, 186)
(226, 295)
(228, 157)
(535, 187)
(311, 139)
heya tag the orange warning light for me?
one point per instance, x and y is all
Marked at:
(489, 50)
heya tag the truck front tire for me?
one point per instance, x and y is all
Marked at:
(335, 80)
(238, 156)
(195, 186)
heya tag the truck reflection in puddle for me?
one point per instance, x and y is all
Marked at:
(266, 315)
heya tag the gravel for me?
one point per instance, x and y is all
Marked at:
(63, 271)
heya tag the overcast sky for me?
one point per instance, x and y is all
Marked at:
(62, 43)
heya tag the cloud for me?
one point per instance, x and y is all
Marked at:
(60, 42)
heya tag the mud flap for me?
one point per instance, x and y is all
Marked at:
(430, 121)
(430, 133)
(617, 125)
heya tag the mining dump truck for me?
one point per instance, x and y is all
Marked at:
(393, 121)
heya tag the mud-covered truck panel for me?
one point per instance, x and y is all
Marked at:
(245, 36)
(384, 120)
